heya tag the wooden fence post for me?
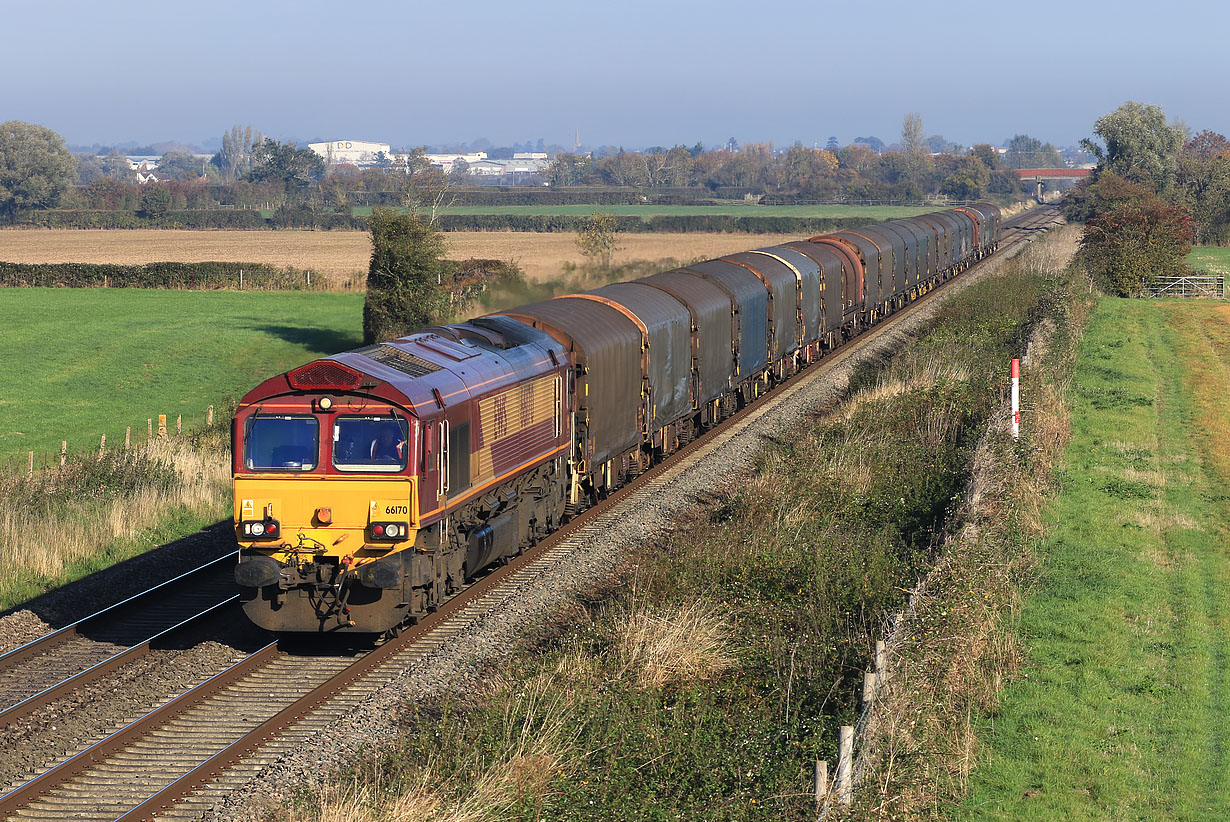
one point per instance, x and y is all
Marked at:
(179, 425)
(30, 470)
(881, 659)
(822, 781)
(845, 766)
(869, 688)
(102, 446)
(149, 430)
(63, 452)
(127, 437)
(162, 426)
(209, 416)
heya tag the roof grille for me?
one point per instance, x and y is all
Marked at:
(400, 360)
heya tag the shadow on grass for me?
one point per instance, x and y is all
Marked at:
(325, 340)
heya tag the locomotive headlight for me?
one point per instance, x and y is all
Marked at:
(325, 403)
(257, 529)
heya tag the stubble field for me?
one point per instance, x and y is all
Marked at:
(343, 255)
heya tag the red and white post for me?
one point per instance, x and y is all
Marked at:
(1016, 398)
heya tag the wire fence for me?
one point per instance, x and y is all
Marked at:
(160, 427)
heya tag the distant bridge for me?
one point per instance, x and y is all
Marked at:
(1039, 176)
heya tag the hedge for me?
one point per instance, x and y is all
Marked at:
(207, 276)
(302, 217)
(681, 223)
(218, 218)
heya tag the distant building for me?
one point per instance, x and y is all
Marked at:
(143, 162)
(447, 161)
(510, 168)
(353, 152)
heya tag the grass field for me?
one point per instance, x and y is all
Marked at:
(1213, 259)
(80, 363)
(734, 210)
(342, 255)
(1121, 714)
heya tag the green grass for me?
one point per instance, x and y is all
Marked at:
(646, 211)
(1121, 711)
(1210, 258)
(79, 363)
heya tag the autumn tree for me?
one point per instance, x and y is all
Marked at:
(1202, 183)
(405, 276)
(35, 167)
(1127, 246)
(598, 238)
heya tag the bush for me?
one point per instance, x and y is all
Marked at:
(1127, 247)
(405, 276)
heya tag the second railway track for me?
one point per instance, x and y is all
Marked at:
(180, 759)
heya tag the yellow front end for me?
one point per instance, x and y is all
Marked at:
(326, 519)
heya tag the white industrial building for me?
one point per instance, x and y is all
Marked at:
(354, 152)
(447, 161)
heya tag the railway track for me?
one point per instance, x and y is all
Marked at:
(53, 666)
(182, 757)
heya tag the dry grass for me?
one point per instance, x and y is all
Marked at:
(343, 255)
(202, 486)
(679, 644)
(541, 726)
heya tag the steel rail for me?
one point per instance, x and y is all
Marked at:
(100, 669)
(48, 641)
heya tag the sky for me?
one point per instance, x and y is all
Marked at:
(634, 73)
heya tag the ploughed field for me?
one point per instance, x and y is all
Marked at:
(343, 256)
(87, 362)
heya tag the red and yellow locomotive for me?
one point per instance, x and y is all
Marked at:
(368, 486)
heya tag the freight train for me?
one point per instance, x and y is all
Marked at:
(371, 485)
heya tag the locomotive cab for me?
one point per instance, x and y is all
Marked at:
(326, 487)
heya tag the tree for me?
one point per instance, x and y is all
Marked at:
(831, 145)
(913, 137)
(155, 201)
(295, 168)
(598, 238)
(1030, 152)
(571, 170)
(968, 181)
(987, 154)
(89, 169)
(179, 165)
(116, 166)
(35, 167)
(1129, 245)
(235, 158)
(1139, 144)
(405, 276)
(1203, 185)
